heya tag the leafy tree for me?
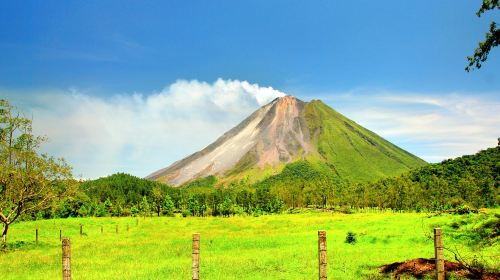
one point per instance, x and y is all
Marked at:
(83, 212)
(275, 205)
(244, 199)
(127, 188)
(144, 207)
(134, 210)
(29, 181)
(157, 196)
(193, 206)
(100, 211)
(118, 208)
(168, 206)
(68, 206)
(492, 37)
(227, 207)
(197, 204)
(108, 206)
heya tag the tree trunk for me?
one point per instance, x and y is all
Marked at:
(4, 236)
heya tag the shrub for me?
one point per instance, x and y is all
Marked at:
(346, 209)
(134, 210)
(350, 238)
(186, 213)
(464, 209)
(126, 212)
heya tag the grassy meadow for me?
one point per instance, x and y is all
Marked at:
(265, 247)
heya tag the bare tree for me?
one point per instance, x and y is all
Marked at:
(29, 181)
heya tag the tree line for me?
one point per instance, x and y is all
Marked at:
(466, 182)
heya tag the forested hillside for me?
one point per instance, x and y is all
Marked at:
(470, 181)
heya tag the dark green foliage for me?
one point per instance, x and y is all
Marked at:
(226, 207)
(120, 186)
(350, 238)
(300, 184)
(116, 195)
(134, 210)
(168, 206)
(144, 207)
(463, 183)
(157, 197)
(197, 204)
(492, 37)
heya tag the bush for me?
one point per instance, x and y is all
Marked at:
(126, 212)
(257, 212)
(464, 209)
(186, 213)
(350, 238)
(134, 210)
(489, 229)
(346, 209)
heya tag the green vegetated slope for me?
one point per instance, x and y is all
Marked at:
(118, 186)
(464, 182)
(118, 195)
(265, 247)
(353, 152)
(342, 149)
(473, 179)
(481, 168)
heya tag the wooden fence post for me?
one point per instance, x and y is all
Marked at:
(116, 228)
(196, 256)
(60, 234)
(36, 234)
(66, 259)
(323, 271)
(438, 254)
(81, 229)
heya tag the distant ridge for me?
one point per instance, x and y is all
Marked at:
(286, 130)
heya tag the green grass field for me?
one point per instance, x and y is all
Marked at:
(266, 247)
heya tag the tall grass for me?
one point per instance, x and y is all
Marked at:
(266, 247)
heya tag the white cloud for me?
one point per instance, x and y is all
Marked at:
(139, 133)
(434, 127)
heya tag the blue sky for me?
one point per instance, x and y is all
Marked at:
(396, 67)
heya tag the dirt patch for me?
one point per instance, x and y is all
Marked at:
(421, 267)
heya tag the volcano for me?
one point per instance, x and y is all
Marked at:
(286, 130)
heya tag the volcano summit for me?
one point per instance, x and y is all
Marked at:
(286, 130)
